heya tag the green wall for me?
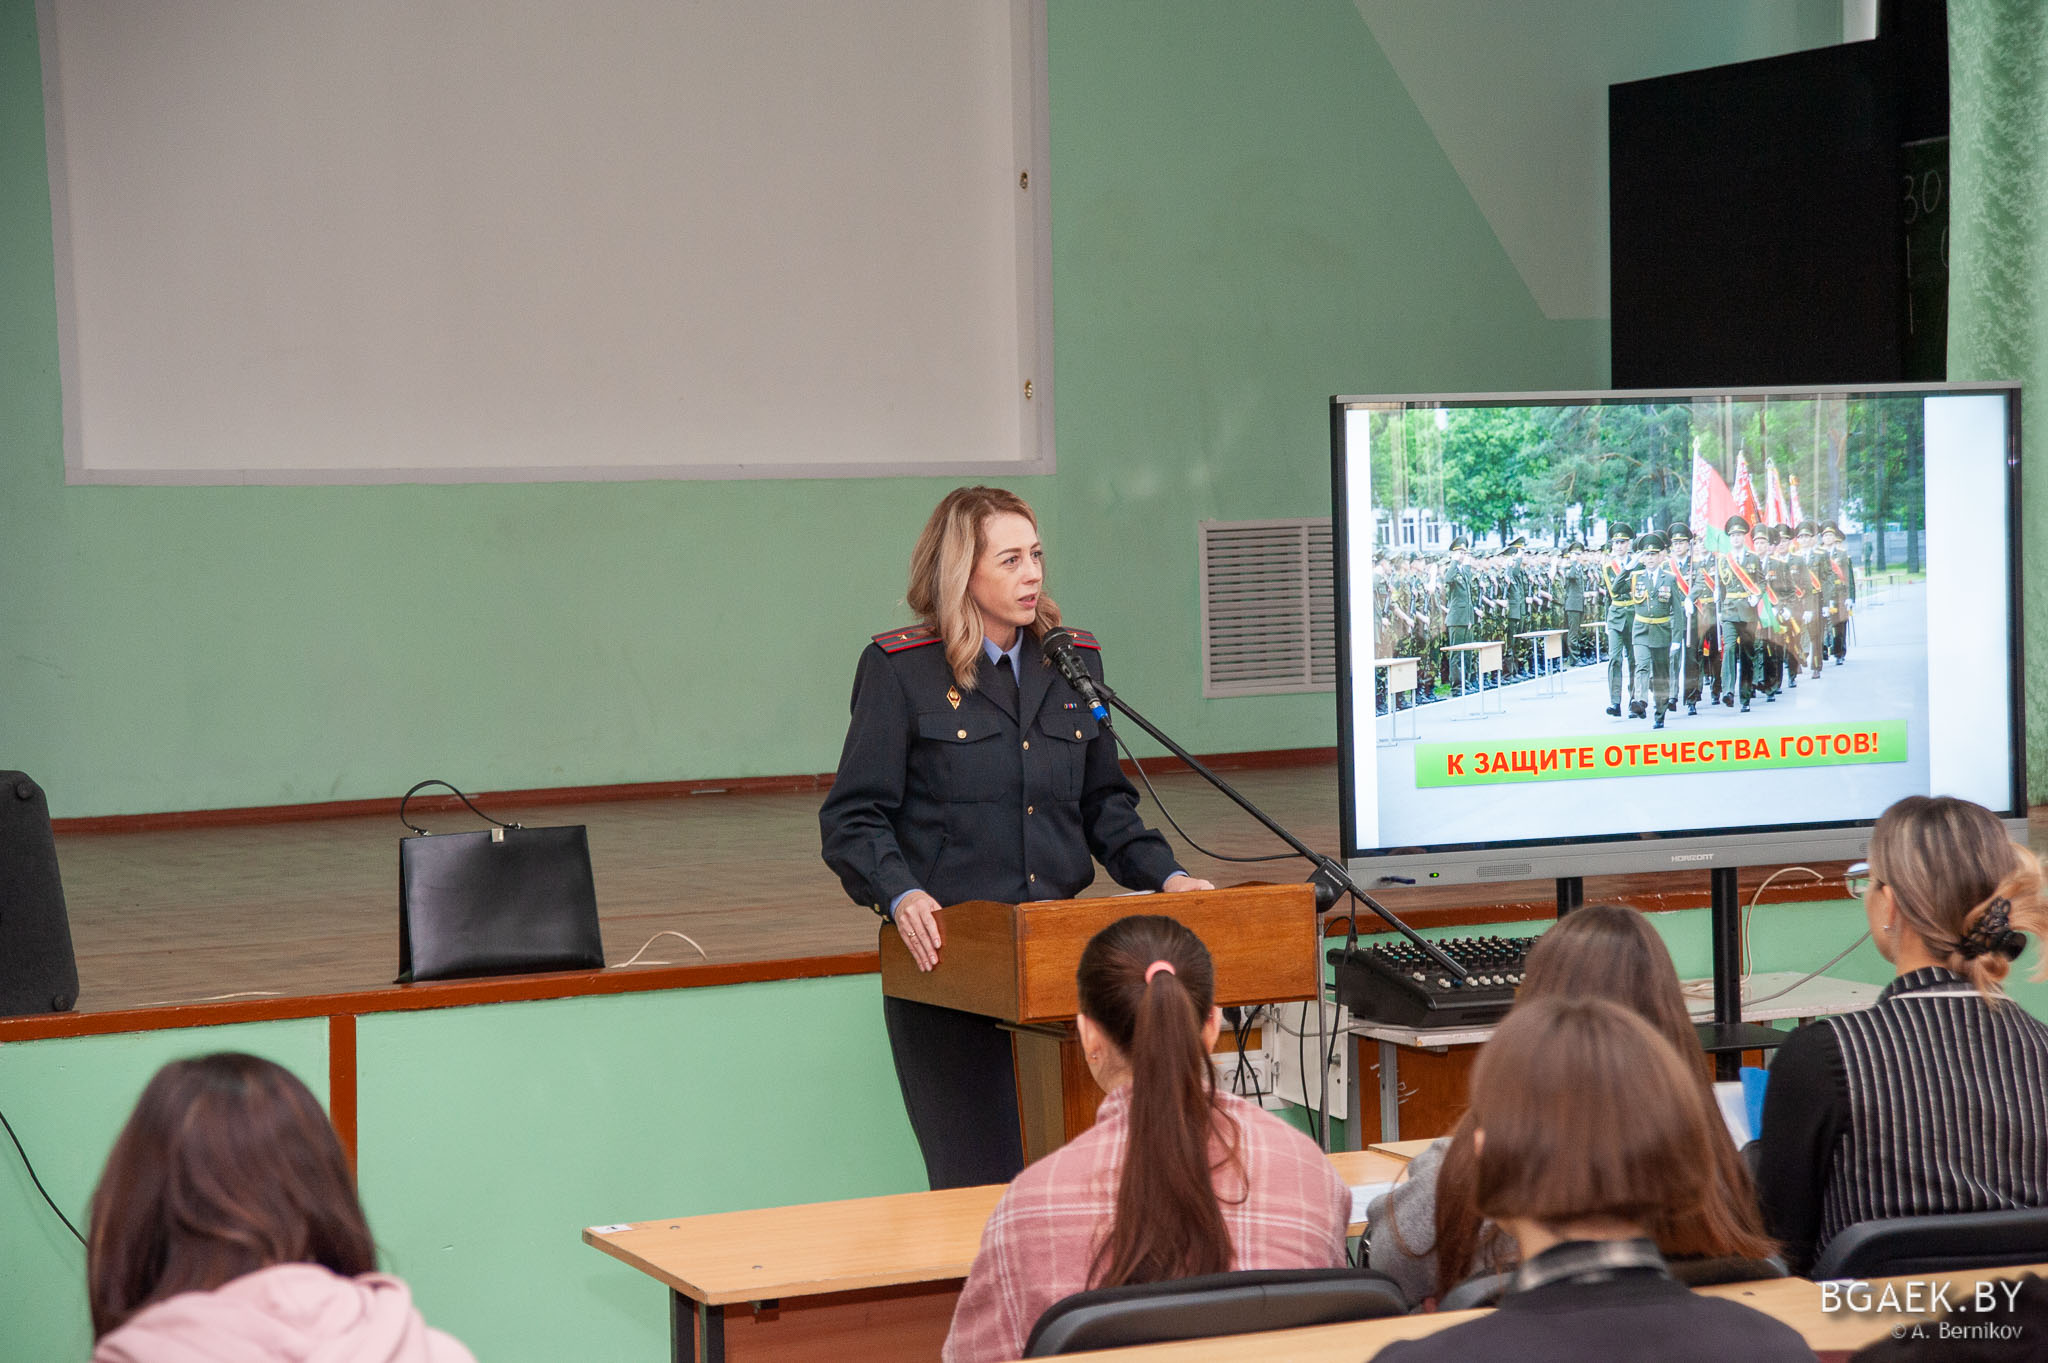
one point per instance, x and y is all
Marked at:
(1249, 215)
(489, 1137)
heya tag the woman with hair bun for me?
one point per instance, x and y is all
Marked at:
(974, 770)
(1932, 1100)
(226, 1228)
(1174, 1180)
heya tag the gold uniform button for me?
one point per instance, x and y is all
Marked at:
(963, 733)
(1031, 809)
(1027, 745)
(1077, 733)
(1033, 878)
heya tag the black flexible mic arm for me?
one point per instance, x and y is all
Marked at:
(1332, 882)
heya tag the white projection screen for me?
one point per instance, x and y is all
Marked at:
(483, 240)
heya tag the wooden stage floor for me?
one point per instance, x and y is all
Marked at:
(295, 909)
(292, 909)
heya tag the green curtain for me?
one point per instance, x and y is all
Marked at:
(1998, 270)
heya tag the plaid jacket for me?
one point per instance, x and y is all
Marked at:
(1289, 1210)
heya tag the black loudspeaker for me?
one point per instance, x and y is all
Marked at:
(38, 973)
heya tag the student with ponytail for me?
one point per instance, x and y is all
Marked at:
(1175, 1179)
(1932, 1101)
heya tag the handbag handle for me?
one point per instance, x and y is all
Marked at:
(403, 800)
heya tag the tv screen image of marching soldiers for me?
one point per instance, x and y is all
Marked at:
(1593, 616)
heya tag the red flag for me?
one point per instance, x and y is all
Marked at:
(1712, 505)
(1745, 493)
(1798, 513)
(1775, 510)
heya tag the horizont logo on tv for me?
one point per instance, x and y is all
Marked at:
(1695, 856)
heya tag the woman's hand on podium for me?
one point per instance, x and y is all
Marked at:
(917, 922)
(1181, 880)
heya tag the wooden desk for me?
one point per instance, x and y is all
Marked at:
(1403, 679)
(1481, 657)
(1548, 646)
(1795, 1301)
(776, 1254)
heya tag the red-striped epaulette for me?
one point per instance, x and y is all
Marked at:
(909, 637)
(1083, 639)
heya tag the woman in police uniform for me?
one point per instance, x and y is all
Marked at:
(972, 770)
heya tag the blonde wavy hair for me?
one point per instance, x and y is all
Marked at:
(1950, 865)
(942, 565)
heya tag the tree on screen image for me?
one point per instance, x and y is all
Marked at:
(1493, 457)
(1552, 471)
(1887, 469)
(1624, 462)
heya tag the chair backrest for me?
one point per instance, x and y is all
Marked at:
(1935, 1244)
(1213, 1304)
(1481, 1289)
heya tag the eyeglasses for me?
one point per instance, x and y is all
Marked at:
(1860, 881)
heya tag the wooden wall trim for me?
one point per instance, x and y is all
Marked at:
(256, 815)
(406, 998)
(341, 1082)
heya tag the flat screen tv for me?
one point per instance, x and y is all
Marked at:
(1506, 655)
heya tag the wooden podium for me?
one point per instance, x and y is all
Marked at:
(1016, 962)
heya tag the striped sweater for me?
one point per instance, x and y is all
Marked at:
(1934, 1100)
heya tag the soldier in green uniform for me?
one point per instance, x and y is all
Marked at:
(1739, 589)
(1807, 606)
(1655, 589)
(1461, 590)
(1838, 577)
(1685, 624)
(1781, 659)
(1572, 582)
(1617, 578)
(1515, 592)
(1694, 568)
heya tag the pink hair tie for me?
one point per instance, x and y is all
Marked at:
(1156, 967)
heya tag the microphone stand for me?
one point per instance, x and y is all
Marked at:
(1332, 882)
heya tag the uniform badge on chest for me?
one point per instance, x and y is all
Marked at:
(953, 696)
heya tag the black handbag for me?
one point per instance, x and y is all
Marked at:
(506, 900)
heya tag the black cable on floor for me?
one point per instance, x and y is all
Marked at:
(38, 1182)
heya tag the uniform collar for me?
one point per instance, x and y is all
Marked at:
(1587, 1261)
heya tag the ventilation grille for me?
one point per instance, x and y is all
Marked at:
(1269, 611)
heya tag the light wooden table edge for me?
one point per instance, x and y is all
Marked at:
(1354, 1166)
(778, 1291)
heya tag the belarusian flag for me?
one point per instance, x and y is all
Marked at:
(1745, 493)
(1774, 497)
(1712, 505)
(1798, 514)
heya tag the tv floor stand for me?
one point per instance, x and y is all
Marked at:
(1728, 1036)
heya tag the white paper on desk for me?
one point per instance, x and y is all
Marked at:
(1363, 1195)
(1734, 1111)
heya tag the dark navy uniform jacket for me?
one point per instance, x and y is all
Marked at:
(949, 791)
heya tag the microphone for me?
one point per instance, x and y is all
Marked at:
(1058, 645)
